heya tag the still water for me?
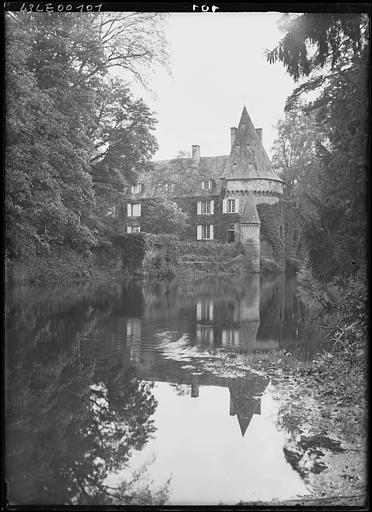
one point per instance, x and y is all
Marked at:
(108, 399)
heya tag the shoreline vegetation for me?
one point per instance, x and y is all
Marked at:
(133, 256)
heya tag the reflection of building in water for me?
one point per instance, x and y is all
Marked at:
(245, 392)
(154, 364)
(230, 318)
(243, 404)
(204, 322)
(133, 339)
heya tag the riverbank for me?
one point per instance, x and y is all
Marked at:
(135, 256)
(324, 418)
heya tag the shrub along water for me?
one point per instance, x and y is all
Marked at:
(164, 256)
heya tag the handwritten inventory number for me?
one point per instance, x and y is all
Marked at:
(26, 7)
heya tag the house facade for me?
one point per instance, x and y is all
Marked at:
(233, 198)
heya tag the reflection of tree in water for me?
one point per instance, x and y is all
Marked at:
(64, 435)
(181, 389)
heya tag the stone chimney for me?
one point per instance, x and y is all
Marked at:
(195, 154)
(259, 133)
(233, 131)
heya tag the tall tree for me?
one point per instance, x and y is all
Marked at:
(60, 107)
(331, 53)
(164, 216)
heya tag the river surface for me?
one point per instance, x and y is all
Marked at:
(110, 397)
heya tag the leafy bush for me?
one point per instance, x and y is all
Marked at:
(133, 249)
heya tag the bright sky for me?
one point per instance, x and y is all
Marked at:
(219, 65)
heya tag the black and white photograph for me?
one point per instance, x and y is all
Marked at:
(185, 255)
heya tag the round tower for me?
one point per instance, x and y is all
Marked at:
(250, 180)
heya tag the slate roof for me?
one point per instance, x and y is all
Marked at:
(185, 175)
(247, 159)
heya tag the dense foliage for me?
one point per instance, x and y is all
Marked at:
(74, 134)
(164, 216)
(321, 151)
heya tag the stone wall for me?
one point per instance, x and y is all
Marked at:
(255, 185)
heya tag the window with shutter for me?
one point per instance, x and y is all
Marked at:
(212, 207)
(207, 207)
(198, 207)
(199, 232)
(129, 229)
(129, 210)
(206, 231)
(136, 210)
(231, 205)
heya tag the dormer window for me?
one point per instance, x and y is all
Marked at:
(206, 184)
(136, 189)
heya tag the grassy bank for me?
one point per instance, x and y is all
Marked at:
(324, 400)
(136, 255)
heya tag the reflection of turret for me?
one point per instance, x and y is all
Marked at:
(244, 402)
(250, 303)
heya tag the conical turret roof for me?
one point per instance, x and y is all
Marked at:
(244, 422)
(248, 158)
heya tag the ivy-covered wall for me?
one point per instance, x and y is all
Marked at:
(272, 237)
(272, 232)
(221, 221)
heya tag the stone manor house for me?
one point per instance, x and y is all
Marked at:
(230, 198)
